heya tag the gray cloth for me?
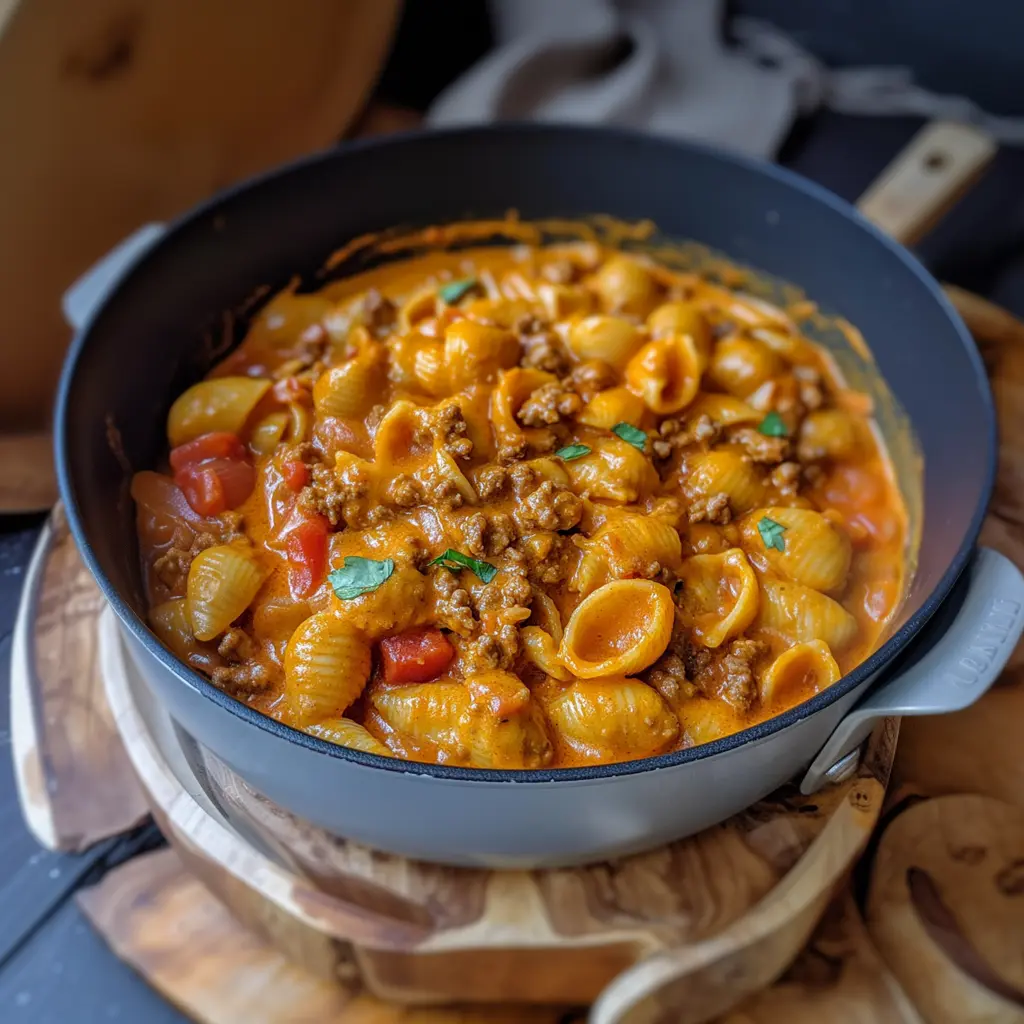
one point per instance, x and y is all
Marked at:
(664, 65)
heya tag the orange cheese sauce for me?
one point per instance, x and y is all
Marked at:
(562, 418)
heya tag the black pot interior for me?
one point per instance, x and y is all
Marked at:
(159, 332)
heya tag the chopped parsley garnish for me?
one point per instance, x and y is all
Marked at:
(455, 291)
(771, 533)
(631, 435)
(359, 576)
(456, 560)
(772, 426)
(572, 451)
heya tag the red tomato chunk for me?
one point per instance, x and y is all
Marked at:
(306, 545)
(415, 656)
(209, 446)
(295, 474)
(213, 472)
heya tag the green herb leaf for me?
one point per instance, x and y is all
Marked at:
(456, 560)
(771, 533)
(572, 451)
(631, 435)
(772, 426)
(454, 291)
(359, 576)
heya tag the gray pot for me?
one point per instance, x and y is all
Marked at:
(141, 316)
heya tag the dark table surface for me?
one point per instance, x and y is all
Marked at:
(53, 967)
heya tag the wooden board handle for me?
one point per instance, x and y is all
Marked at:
(939, 164)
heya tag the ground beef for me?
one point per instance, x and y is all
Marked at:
(328, 493)
(451, 603)
(514, 450)
(714, 509)
(235, 645)
(787, 477)
(548, 558)
(242, 679)
(451, 430)
(589, 377)
(379, 313)
(490, 651)
(548, 508)
(726, 673)
(491, 481)
(404, 491)
(379, 514)
(673, 435)
(171, 568)
(759, 447)
(544, 350)
(668, 674)
(485, 535)
(813, 474)
(549, 404)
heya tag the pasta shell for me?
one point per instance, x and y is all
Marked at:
(544, 613)
(171, 624)
(431, 712)
(541, 650)
(741, 365)
(347, 733)
(723, 472)
(420, 305)
(446, 468)
(326, 666)
(725, 410)
(619, 629)
(608, 338)
(802, 670)
(219, 404)
(625, 285)
(831, 434)
(719, 597)
(267, 434)
(705, 719)
(613, 470)
(475, 352)
(665, 373)
(399, 438)
(682, 318)
(612, 719)
(222, 581)
(614, 405)
(350, 390)
(504, 728)
(430, 369)
(627, 546)
(815, 551)
(564, 300)
(799, 614)
(401, 602)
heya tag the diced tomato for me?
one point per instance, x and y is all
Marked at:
(213, 486)
(306, 545)
(295, 474)
(218, 445)
(415, 656)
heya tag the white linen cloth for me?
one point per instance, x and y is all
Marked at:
(665, 66)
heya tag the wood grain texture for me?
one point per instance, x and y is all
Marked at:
(110, 134)
(946, 908)
(74, 778)
(27, 479)
(159, 918)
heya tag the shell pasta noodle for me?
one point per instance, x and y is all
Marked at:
(522, 507)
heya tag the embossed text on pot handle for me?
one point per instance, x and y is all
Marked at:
(87, 294)
(957, 670)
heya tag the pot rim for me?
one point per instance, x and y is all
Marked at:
(850, 682)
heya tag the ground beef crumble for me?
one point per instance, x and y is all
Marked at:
(786, 477)
(452, 431)
(491, 481)
(548, 508)
(542, 348)
(404, 491)
(379, 313)
(549, 404)
(713, 509)
(673, 435)
(329, 493)
(242, 673)
(758, 447)
(668, 674)
(488, 535)
(727, 673)
(590, 377)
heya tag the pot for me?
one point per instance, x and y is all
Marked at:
(142, 315)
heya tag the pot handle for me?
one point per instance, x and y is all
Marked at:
(87, 294)
(952, 675)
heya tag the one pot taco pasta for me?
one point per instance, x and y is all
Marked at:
(521, 508)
